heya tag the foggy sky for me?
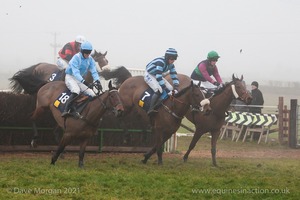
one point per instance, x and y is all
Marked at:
(136, 31)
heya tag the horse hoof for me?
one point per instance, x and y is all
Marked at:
(144, 161)
(33, 144)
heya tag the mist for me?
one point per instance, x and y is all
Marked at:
(255, 38)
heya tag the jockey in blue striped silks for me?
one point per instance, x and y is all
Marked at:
(154, 76)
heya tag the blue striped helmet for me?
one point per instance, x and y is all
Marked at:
(171, 53)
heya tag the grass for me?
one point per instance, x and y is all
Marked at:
(122, 176)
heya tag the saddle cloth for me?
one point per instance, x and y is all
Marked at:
(146, 97)
(77, 106)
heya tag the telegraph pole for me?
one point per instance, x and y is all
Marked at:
(55, 45)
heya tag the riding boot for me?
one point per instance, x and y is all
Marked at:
(68, 105)
(154, 99)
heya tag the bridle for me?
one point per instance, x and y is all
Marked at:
(174, 98)
(242, 97)
(106, 104)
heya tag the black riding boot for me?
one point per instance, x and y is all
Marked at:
(154, 99)
(68, 105)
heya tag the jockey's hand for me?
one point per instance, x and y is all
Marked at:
(98, 85)
(176, 89)
(170, 93)
(216, 83)
(87, 84)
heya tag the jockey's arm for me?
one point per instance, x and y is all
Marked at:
(217, 75)
(202, 68)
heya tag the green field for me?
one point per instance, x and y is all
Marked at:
(257, 175)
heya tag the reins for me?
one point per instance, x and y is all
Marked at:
(174, 99)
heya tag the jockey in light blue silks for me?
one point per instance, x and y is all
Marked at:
(78, 67)
(154, 76)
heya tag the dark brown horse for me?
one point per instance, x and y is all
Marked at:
(170, 114)
(212, 123)
(31, 79)
(81, 128)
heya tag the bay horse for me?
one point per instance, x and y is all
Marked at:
(31, 79)
(170, 113)
(213, 122)
(81, 128)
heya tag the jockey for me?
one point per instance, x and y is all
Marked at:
(154, 76)
(68, 51)
(207, 68)
(77, 68)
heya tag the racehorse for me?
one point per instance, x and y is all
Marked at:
(31, 79)
(170, 113)
(219, 104)
(85, 125)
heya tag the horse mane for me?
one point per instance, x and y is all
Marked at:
(119, 74)
(220, 90)
(24, 80)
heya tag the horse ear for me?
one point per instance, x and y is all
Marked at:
(232, 76)
(242, 77)
(110, 85)
(105, 53)
(96, 52)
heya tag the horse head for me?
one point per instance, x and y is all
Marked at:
(197, 101)
(115, 100)
(239, 89)
(100, 59)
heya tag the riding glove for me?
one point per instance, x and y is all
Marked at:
(216, 83)
(172, 92)
(176, 89)
(98, 85)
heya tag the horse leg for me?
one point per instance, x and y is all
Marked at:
(159, 155)
(61, 147)
(35, 135)
(38, 112)
(214, 138)
(160, 147)
(196, 137)
(148, 155)
(81, 152)
(57, 136)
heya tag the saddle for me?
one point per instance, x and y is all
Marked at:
(80, 102)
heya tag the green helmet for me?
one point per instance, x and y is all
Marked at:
(212, 55)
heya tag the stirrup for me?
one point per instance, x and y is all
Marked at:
(65, 114)
(152, 111)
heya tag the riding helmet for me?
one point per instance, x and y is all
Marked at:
(171, 54)
(86, 47)
(212, 55)
(80, 39)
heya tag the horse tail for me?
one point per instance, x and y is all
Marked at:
(26, 80)
(120, 74)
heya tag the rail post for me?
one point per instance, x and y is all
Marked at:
(293, 124)
(280, 120)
